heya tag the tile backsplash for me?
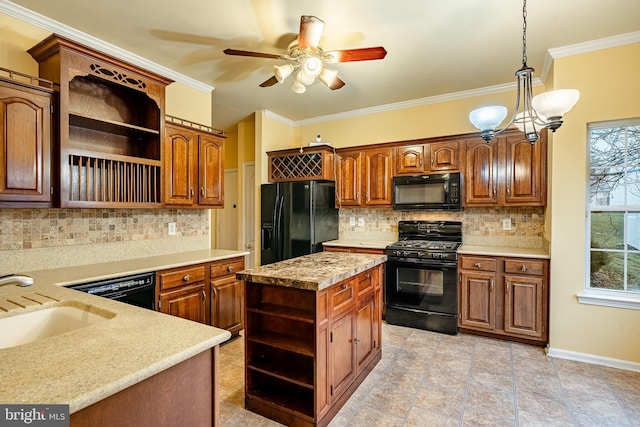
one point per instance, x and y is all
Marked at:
(480, 226)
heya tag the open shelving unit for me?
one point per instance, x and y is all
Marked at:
(111, 125)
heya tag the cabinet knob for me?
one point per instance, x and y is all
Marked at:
(478, 264)
(345, 286)
(186, 278)
(230, 269)
(523, 268)
(356, 341)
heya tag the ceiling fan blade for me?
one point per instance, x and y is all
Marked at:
(351, 55)
(310, 32)
(336, 84)
(253, 54)
(270, 82)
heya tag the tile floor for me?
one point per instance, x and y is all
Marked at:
(430, 379)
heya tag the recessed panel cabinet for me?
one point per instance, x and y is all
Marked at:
(25, 137)
(193, 167)
(429, 157)
(504, 297)
(364, 177)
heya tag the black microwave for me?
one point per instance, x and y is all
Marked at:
(429, 192)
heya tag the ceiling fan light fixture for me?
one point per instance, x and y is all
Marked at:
(282, 71)
(535, 110)
(304, 78)
(312, 66)
(298, 87)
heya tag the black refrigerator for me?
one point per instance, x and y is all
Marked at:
(296, 217)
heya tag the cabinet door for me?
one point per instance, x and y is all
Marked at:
(377, 177)
(410, 159)
(481, 173)
(524, 306)
(366, 332)
(477, 300)
(180, 166)
(211, 171)
(226, 304)
(525, 171)
(444, 156)
(343, 355)
(188, 302)
(349, 185)
(25, 138)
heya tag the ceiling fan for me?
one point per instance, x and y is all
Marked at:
(306, 59)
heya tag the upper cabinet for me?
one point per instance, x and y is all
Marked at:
(26, 111)
(364, 177)
(193, 166)
(429, 157)
(301, 164)
(110, 126)
(508, 171)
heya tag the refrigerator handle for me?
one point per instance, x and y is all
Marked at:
(278, 231)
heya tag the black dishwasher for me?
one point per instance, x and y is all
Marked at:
(138, 289)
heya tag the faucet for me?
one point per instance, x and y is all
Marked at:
(13, 278)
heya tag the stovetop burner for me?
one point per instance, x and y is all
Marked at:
(426, 240)
(426, 245)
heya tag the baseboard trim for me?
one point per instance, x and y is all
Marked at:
(593, 359)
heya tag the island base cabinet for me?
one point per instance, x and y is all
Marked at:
(186, 394)
(302, 356)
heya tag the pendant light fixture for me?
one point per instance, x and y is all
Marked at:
(544, 110)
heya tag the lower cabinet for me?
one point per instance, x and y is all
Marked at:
(504, 297)
(207, 293)
(307, 351)
(358, 250)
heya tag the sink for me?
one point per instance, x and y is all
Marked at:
(46, 322)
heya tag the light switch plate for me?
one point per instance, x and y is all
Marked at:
(506, 224)
(352, 221)
(360, 222)
(172, 229)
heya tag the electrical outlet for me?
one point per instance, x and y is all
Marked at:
(360, 222)
(352, 221)
(506, 224)
(172, 229)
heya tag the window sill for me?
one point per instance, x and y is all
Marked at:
(607, 299)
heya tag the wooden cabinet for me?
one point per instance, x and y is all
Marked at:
(505, 297)
(354, 250)
(193, 167)
(429, 157)
(110, 126)
(364, 177)
(182, 292)
(508, 171)
(25, 142)
(227, 295)
(330, 340)
(310, 163)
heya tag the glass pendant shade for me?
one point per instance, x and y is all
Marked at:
(282, 72)
(304, 78)
(488, 118)
(523, 121)
(312, 66)
(555, 103)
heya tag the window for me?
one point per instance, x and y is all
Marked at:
(614, 212)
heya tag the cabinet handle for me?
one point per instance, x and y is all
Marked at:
(478, 264)
(186, 278)
(191, 191)
(524, 268)
(230, 269)
(204, 297)
(491, 284)
(202, 191)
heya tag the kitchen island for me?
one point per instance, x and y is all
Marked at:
(134, 367)
(312, 334)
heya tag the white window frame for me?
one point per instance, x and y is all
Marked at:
(595, 296)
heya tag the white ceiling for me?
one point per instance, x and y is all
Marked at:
(435, 47)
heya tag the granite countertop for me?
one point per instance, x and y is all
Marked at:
(86, 365)
(504, 251)
(350, 243)
(314, 272)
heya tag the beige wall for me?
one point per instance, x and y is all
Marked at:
(609, 88)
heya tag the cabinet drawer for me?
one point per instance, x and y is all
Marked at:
(342, 297)
(364, 283)
(524, 266)
(181, 276)
(479, 263)
(228, 266)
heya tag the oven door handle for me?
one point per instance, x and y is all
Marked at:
(413, 310)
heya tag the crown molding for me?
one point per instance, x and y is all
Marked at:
(593, 45)
(279, 118)
(56, 27)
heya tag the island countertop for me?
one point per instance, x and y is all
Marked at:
(313, 272)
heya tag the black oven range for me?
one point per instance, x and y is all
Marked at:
(421, 286)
